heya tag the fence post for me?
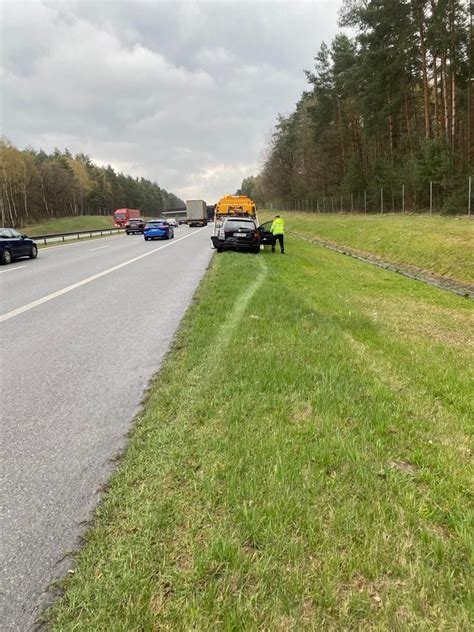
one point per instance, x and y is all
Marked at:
(403, 198)
(381, 200)
(469, 198)
(365, 201)
(317, 205)
(431, 197)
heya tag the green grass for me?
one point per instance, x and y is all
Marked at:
(69, 224)
(443, 245)
(302, 461)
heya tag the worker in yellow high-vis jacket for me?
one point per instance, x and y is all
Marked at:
(278, 231)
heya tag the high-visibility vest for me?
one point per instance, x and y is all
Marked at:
(278, 226)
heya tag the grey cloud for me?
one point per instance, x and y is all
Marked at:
(184, 93)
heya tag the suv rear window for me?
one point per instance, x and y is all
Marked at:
(235, 224)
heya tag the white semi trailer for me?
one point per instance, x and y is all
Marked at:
(196, 212)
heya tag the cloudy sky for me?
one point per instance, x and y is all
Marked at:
(182, 93)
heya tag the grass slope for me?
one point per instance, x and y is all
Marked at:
(443, 245)
(69, 224)
(302, 461)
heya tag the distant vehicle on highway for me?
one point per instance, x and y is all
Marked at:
(135, 226)
(210, 210)
(158, 229)
(172, 222)
(14, 245)
(123, 215)
(237, 233)
(196, 211)
(182, 220)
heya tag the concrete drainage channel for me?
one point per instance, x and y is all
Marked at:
(445, 283)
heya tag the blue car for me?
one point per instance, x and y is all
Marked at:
(158, 229)
(14, 245)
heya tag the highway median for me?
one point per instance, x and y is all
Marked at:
(301, 461)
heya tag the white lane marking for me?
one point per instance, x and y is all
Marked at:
(99, 248)
(12, 269)
(94, 277)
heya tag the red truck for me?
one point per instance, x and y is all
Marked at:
(122, 215)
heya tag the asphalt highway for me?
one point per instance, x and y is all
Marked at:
(83, 329)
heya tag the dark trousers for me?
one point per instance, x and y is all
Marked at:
(282, 243)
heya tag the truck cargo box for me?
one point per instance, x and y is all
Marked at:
(123, 215)
(196, 211)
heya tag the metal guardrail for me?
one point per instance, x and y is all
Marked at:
(76, 233)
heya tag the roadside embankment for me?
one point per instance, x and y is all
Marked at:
(432, 244)
(68, 224)
(301, 462)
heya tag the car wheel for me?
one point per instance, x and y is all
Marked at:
(219, 249)
(146, 238)
(34, 251)
(7, 256)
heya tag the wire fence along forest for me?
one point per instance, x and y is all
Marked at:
(455, 197)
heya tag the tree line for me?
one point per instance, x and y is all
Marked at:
(391, 105)
(37, 186)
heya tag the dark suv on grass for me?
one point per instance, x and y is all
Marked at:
(237, 233)
(136, 225)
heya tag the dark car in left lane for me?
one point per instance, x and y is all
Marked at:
(14, 245)
(136, 225)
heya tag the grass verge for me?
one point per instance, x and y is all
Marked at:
(443, 245)
(302, 461)
(69, 224)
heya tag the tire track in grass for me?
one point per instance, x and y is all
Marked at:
(225, 332)
(223, 337)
